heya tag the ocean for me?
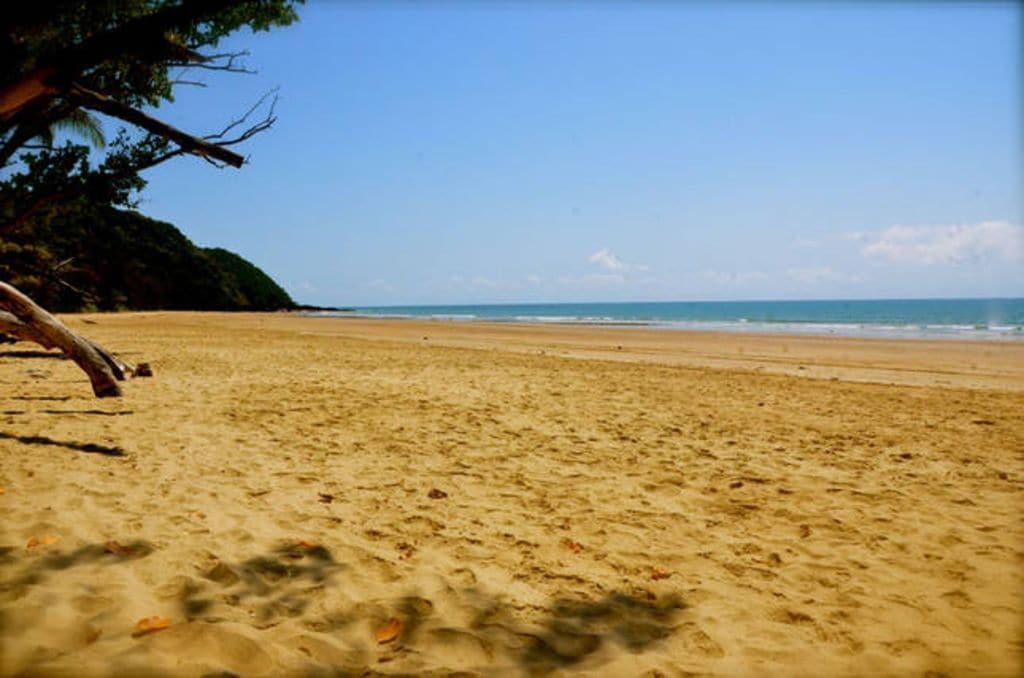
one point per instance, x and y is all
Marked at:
(979, 319)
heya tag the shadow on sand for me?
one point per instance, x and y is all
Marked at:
(568, 630)
(32, 354)
(567, 633)
(55, 560)
(88, 448)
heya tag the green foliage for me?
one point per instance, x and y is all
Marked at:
(111, 259)
(62, 239)
(38, 33)
(258, 291)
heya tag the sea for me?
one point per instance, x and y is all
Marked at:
(970, 319)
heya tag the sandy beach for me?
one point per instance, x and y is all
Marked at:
(308, 496)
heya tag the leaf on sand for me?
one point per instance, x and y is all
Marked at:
(660, 574)
(306, 545)
(42, 541)
(325, 498)
(150, 625)
(390, 631)
(118, 549)
(573, 546)
(437, 494)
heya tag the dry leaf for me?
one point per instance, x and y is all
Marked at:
(117, 549)
(306, 544)
(42, 541)
(390, 631)
(660, 574)
(437, 494)
(150, 625)
(573, 546)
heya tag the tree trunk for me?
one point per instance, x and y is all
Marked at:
(25, 319)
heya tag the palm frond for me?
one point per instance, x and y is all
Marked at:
(83, 124)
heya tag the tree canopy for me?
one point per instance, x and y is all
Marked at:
(63, 58)
(62, 64)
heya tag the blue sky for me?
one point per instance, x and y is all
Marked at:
(602, 151)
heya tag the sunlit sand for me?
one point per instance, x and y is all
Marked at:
(292, 495)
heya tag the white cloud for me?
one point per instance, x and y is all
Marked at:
(818, 274)
(592, 280)
(804, 243)
(377, 284)
(604, 258)
(480, 281)
(952, 244)
(728, 278)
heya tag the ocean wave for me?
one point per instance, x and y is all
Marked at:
(667, 316)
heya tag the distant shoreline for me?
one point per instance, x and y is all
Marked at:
(967, 319)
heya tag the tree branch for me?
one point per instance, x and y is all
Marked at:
(138, 37)
(190, 144)
(207, 62)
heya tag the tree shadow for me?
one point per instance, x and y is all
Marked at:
(88, 448)
(33, 354)
(25, 397)
(104, 413)
(38, 569)
(275, 585)
(562, 634)
(574, 629)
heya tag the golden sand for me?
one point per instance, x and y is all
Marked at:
(297, 496)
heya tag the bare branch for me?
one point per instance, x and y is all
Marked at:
(266, 123)
(104, 104)
(193, 83)
(231, 62)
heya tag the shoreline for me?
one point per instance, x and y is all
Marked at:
(910, 361)
(772, 328)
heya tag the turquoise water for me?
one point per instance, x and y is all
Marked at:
(990, 319)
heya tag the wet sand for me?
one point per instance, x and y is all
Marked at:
(523, 500)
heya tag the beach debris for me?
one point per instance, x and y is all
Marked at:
(42, 541)
(143, 370)
(657, 574)
(736, 484)
(390, 631)
(118, 549)
(148, 625)
(325, 498)
(983, 422)
(805, 531)
(573, 546)
(406, 550)
(437, 494)
(92, 634)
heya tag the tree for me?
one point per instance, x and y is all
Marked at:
(64, 61)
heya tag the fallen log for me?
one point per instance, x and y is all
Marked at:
(22, 318)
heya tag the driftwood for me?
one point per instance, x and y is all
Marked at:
(22, 318)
